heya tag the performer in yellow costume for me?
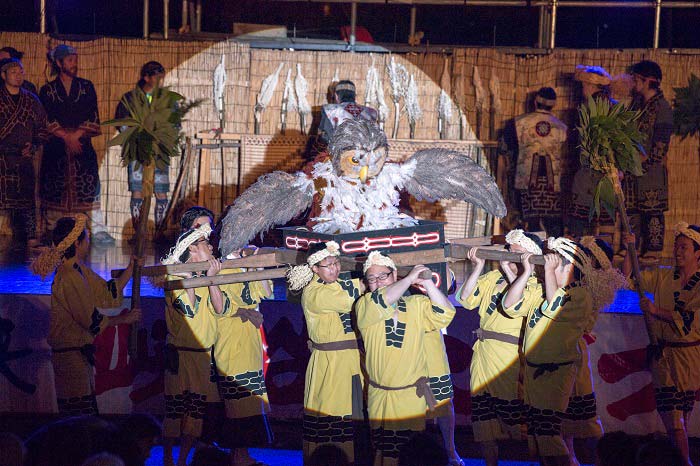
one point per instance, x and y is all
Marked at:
(191, 316)
(393, 328)
(676, 371)
(551, 348)
(498, 412)
(581, 419)
(76, 293)
(238, 354)
(333, 393)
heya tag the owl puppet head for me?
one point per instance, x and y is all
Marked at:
(358, 149)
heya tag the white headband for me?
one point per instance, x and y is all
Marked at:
(682, 228)
(176, 251)
(571, 252)
(301, 275)
(377, 258)
(601, 257)
(518, 237)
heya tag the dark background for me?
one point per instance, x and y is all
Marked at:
(457, 25)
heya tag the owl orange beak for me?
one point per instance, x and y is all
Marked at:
(363, 173)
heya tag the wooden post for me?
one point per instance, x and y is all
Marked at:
(166, 18)
(146, 19)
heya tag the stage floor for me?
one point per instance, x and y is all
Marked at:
(273, 457)
(17, 278)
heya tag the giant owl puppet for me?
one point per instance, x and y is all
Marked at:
(357, 189)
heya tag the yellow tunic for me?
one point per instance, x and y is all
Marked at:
(495, 372)
(394, 340)
(581, 418)
(333, 388)
(238, 353)
(676, 375)
(188, 385)
(440, 377)
(76, 293)
(552, 356)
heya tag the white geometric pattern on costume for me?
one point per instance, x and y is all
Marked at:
(539, 134)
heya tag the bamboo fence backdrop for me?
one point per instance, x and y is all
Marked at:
(113, 65)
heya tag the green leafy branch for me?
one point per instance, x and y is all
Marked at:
(152, 130)
(610, 141)
(686, 108)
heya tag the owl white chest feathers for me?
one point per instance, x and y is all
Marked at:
(347, 205)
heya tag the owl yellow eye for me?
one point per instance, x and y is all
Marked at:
(354, 161)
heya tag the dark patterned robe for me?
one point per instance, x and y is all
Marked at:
(70, 183)
(22, 121)
(648, 194)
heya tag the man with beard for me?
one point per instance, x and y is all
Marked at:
(656, 122)
(22, 128)
(70, 182)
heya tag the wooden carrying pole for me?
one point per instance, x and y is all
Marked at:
(403, 261)
(632, 251)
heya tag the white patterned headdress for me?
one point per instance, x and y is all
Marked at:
(377, 258)
(518, 237)
(181, 246)
(682, 228)
(301, 275)
(571, 252)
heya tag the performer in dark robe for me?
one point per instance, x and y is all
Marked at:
(22, 129)
(651, 190)
(11, 52)
(595, 82)
(70, 182)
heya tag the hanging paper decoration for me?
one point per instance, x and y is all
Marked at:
(301, 87)
(412, 105)
(267, 89)
(398, 78)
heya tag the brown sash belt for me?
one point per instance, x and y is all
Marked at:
(67, 349)
(678, 344)
(87, 350)
(547, 367)
(483, 334)
(422, 386)
(193, 350)
(333, 345)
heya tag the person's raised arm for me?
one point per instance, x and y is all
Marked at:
(516, 291)
(470, 284)
(551, 262)
(393, 292)
(217, 298)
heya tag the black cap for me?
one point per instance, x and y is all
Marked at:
(152, 68)
(647, 69)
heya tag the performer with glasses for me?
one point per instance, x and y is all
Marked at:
(394, 329)
(333, 392)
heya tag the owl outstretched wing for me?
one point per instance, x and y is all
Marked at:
(447, 174)
(274, 199)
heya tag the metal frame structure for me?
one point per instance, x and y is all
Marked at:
(548, 12)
